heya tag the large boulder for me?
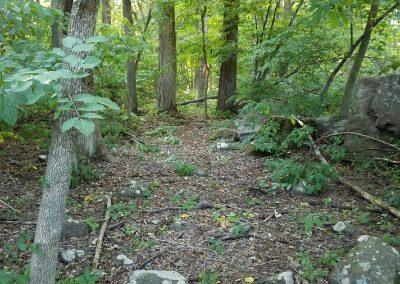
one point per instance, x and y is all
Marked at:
(156, 277)
(281, 278)
(372, 261)
(375, 112)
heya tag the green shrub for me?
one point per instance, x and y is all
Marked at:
(184, 168)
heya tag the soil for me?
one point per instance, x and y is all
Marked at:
(225, 178)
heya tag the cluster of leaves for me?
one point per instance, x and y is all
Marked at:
(312, 177)
(313, 269)
(316, 220)
(121, 210)
(83, 172)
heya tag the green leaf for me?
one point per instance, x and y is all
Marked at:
(69, 42)
(91, 107)
(90, 62)
(96, 39)
(84, 126)
(92, 115)
(86, 98)
(58, 51)
(72, 60)
(21, 87)
(83, 48)
(108, 103)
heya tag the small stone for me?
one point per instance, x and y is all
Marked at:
(204, 205)
(155, 221)
(74, 229)
(123, 259)
(183, 226)
(135, 189)
(222, 146)
(42, 157)
(156, 277)
(281, 278)
(70, 255)
(346, 228)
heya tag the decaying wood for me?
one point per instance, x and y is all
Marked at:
(96, 258)
(196, 101)
(388, 161)
(367, 196)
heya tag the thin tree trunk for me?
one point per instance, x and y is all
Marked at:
(206, 68)
(228, 68)
(200, 73)
(167, 58)
(362, 50)
(106, 12)
(131, 66)
(60, 162)
(56, 32)
(350, 52)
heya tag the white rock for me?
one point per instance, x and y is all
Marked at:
(125, 260)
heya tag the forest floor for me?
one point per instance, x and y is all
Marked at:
(226, 178)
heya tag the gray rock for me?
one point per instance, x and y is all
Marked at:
(70, 255)
(326, 125)
(183, 226)
(74, 229)
(204, 205)
(281, 278)
(124, 260)
(375, 111)
(225, 133)
(135, 189)
(371, 261)
(346, 228)
(222, 145)
(156, 277)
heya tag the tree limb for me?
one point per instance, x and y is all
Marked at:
(96, 258)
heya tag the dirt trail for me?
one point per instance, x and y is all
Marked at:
(224, 177)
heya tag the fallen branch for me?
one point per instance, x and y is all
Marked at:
(9, 206)
(96, 258)
(196, 101)
(388, 161)
(367, 196)
(360, 135)
(15, 222)
(161, 210)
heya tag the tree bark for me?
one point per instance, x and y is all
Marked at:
(106, 12)
(60, 162)
(167, 58)
(362, 50)
(131, 66)
(56, 33)
(228, 68)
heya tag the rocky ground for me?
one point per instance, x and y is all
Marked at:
(215, 221)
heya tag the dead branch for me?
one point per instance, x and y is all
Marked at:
(96, 258)
(196, 101)
(367, 196)
(360, 135)
(161, 210)
(157, 255)
(9, 206)
(388, 161)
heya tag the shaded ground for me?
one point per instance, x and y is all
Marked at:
(224, 178)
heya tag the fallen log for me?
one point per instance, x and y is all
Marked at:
(196, 101)
(96, 258)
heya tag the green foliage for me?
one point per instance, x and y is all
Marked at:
(312, 176)
(92, 223)
(121, 210)
(309, 271)
(183, 168)
(86, 278)
(207, 277)
(83, 172)
(146, 148)
(11, 277)
(215, 245)
(315, 220)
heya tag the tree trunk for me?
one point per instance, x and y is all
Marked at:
(60, 162)
(56, 33)
(106, 12)
(131, 66)
(167, 58)
(359, 58)
(200, 80)
(228, 68)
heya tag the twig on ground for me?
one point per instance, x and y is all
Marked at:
(161, 210)
(388, 161)
(96, 258)
(9, 206)
(18, 222)
(367, 196)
